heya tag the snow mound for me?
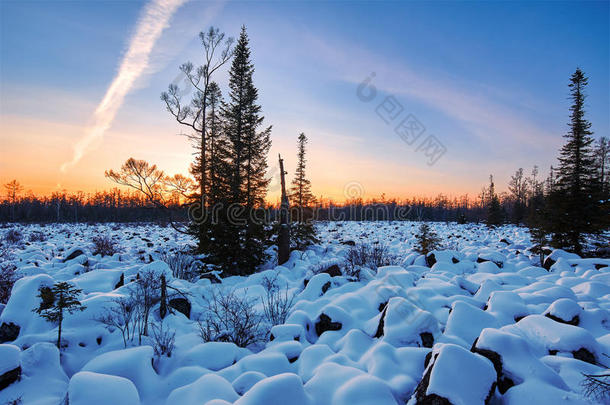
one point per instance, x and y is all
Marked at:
(87, 388)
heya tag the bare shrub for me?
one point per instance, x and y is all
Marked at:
(277, 302)
(38, 236)
(104, 245)
(121, 315)
(183, 266)
(597, 387)
(163, 340)
(365, 255)
(146, 293)
(13, 236)
(8, 276)
(231, 317)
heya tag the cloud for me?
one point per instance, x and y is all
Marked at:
(154, 19)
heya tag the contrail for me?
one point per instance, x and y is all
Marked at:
(154, 19)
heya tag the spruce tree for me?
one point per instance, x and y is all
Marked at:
(575, 198)
(494, 210)
(64, 301)
(242, 235)
(303, 231)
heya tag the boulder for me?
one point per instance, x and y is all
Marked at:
(9, 377)
(10, 366)
(325, 324)
(456, 376)
(181, 305)
(9, 332)
(73, 254)
(332, 271)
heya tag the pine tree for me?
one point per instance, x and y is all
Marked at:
(241, 237)
(494, 210)
(194, 115)
(303, 231)
(426, 239)
(575, 199)
(64, 301)
(518, 188)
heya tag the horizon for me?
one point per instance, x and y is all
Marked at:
(508, 109)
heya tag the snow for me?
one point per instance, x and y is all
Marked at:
(281, 389)
(10, 358)
(206, 388)
(482, 293)
(87, 388)
(469, 386)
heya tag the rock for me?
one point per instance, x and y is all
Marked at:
(379, 332)
(548, 262)
(332, 271)
(583, 354)
(9, 332)
(181, 305)
(430, 259)
(427, 339)
(574, 321)
(10, 365)
(9, 377)
(74, 254)
(325, 324)
(121, 282)
(325, 287)
(456, 376)
(348, 242)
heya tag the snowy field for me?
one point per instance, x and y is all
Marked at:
(479, 322)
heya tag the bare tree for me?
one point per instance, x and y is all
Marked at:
(13, 188)
(217, 52)
(152, 183)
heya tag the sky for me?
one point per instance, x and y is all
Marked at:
(402, 98)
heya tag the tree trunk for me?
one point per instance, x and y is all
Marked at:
(283, 240)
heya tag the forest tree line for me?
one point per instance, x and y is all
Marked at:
(222, 203)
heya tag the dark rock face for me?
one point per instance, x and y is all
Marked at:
(422, 387)
(503, 382)
(9, 377)
(427, 339)
(74, 255)
(583, 354)
(325, 323)
(325, 287)
(348, 243)
(121, 282)
(181, 305)
(548, 262)
(481, 260)
(333, 271)
(9, 332)
(574, 321)
(430, 259)
(381, 325)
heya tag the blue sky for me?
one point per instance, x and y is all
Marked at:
(488, 79)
